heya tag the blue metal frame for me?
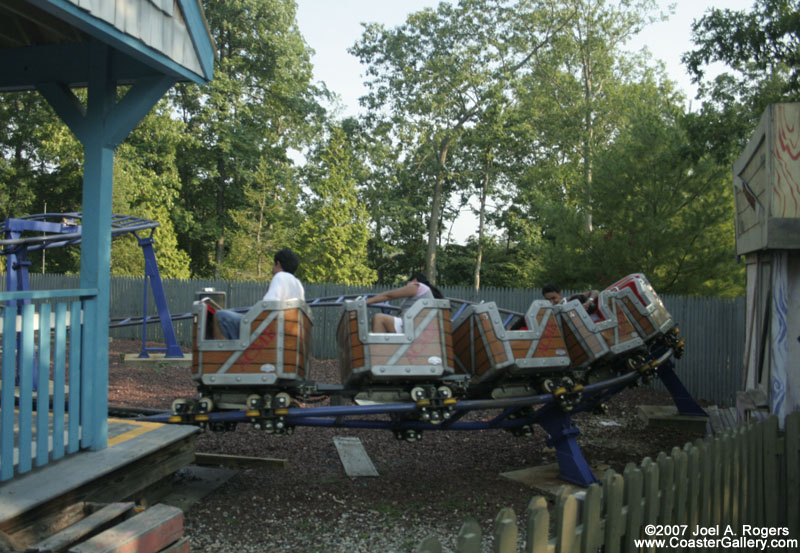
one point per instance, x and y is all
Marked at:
(573, 466)
(153, 276)
(684, 401)
(67, 232)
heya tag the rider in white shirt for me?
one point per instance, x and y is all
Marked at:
(284, 286)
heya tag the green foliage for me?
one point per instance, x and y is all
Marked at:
(761, 49)
(441, 72)
(333, 237)
(146, 185)
(657, 211)
(267, 222)
(260, 104)
(756, 44)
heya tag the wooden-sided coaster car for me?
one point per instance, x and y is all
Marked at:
(614, 325)
(584, 340)
(274, 346)
(487, 351)
(423, 352)
(638, 300)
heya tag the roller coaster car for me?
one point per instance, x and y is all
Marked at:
(509, 362)
(385, 367)
(585, 342)
(614, 325)
(272, 352)
(637, 299)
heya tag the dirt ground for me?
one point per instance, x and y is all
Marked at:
(431, 486)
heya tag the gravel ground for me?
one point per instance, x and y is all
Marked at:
(427, 488)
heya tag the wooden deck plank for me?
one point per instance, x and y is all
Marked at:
(78, 531)
(147, 532)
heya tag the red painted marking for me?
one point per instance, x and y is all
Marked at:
(262, 342)
(429, 334)
(551, 338)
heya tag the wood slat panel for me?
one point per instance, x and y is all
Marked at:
(59, 379)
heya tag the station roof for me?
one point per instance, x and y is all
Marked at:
(49, 40)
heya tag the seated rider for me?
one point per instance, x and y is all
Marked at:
(588, 299)
(284, 286)
(416, 288)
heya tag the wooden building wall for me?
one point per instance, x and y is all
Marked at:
(157, 23)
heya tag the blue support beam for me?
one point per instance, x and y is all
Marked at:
(153, 276)
(684, 401)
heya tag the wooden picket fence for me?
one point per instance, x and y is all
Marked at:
(748, 476)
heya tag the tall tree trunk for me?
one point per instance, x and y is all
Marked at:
(436, 206)
(588, 136)
(219, 247)
(481, 223)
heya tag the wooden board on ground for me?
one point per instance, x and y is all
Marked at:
(666, 416)
(546, 480)
(180, 546)
(95, 522)
(148, 532)
(239, 461)
(354, 457)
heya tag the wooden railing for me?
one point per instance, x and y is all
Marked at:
(33, 429)
(716, 494)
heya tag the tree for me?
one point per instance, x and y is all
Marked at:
(658, 210)
(146, 185)
(755, 44)
(762, 51)
(260, 105)
(333, 237)
(433, 76)
(266, 222)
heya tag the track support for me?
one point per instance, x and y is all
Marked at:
(572, 465)
(680, 395)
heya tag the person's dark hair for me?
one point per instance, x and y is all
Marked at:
(547, 288)
(288, 260)
(421, 277)
(580, 297)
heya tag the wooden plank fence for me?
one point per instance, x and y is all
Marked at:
(718, 494)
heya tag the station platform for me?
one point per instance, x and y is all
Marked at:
(139, 456)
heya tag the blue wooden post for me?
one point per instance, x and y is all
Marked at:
(100, 126)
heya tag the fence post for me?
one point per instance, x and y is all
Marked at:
(614, 487)
(592, 539)
(469, 538)
(633, 499)
(666, 486)
(771, 491)
(715, 449)
(680, 484)
(650, 485)
(693, 467)
(739, 477)
(537, 534)
(727, 469)
(505, 531)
